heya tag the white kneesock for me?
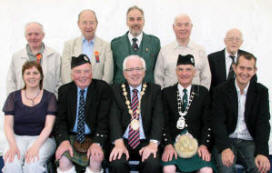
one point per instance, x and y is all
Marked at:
(90, 171)
(72, 170)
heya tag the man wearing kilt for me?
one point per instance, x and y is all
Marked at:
(82, 121)
(187, 131)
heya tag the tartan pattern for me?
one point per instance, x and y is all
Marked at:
(134, 135)
(81, 118)
(79, 158)
(184, 100)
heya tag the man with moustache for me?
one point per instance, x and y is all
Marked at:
(165, 74)
(97, 50)
(241, 120)
(221, 61)
(135, 42)
(82, 122)
(136, 120)
(35, 50)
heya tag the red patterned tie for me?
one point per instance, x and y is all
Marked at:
(134, 135)
(39, 57)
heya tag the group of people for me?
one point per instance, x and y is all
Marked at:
(172, 108)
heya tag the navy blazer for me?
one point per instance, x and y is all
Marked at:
(98, 101)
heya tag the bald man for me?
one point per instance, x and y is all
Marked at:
(165, 69)
(97, 50)
(220, 62)
(35, 50)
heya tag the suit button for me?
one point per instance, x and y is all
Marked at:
(209, 135)
(207, 140)
(209, 129)
(165, 139)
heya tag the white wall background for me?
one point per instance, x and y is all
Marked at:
(211, 19)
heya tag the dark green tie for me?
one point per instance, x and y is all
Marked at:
(134, 44)
(184, 100)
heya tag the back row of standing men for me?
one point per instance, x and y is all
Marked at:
(160, 67)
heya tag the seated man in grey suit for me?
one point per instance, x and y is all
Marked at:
(241, 120)
(97, 50)
(221, 61)
(82, 121)
(136, 120)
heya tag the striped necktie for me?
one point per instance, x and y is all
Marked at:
(80, 137)
(134, 135)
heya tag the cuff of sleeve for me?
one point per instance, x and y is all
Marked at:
(154, 141)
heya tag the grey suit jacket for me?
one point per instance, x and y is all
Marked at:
(101, 70)
(51, 63)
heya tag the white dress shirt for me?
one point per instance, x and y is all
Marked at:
(241, 131)
(139, 38)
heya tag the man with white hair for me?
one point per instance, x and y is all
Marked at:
(165, 74)
(82, 122)
(221, 61)
(35, 50)
(136, 120)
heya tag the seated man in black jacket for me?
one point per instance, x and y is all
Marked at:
(241, 120)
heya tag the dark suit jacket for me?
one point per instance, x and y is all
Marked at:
(151, 112)
(225, 115)
(98, 102)
(148, 50)
(198, 118)
(218, 67)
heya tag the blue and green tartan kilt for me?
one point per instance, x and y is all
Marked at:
(79, 158)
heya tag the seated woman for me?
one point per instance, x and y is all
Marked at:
(29, 119)
(187, 129)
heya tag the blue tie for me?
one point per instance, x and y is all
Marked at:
(81, 118)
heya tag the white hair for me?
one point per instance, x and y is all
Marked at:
(37, 23)
(182, 15)
(133, 57)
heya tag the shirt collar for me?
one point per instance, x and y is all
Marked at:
(189, 45)
(139, 37)
(84, 40)
(29, 52)
(139, 88)
(228, 55)
(180, 87)
(238, 89)
(85, 89)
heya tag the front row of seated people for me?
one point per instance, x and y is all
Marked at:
(174, 129)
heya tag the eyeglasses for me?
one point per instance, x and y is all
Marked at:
(138, 69)
(234, 39)
(132, 19)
